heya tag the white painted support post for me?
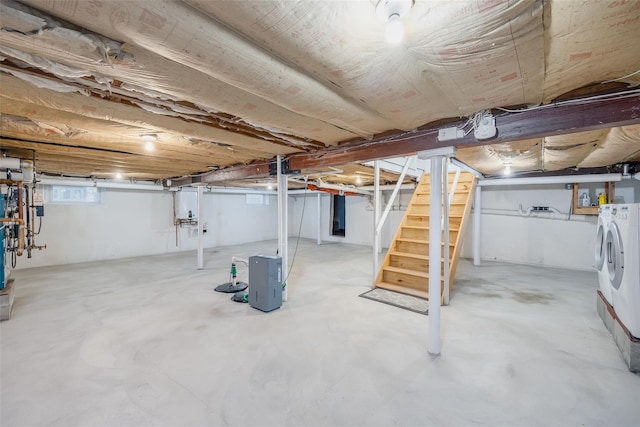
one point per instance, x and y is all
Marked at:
(445, 222)
(200, 231)
(435, 253)
(376, 218)
(319, 230)
(283, 225)
(477, 211)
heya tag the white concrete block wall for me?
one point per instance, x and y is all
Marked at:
(136, 223)
(547, 240)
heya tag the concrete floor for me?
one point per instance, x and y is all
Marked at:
(146, 341)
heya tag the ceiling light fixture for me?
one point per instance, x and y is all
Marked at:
(507, 168)
(358, 180)
(118, 175)
(269, 187)
(391, 12)
(149, 139)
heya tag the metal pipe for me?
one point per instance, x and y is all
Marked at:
(200, 231)
(20, 222)
(388, 187)
(391, 166)
(435, 253)
(445, 221)
(565, 179)
(463, 166)
(477, 211)
(344, 188)
(319, 229)
(396, 190)
(376, 218)
(101, 184)
(20, 200)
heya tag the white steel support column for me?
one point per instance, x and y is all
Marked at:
(477, 211)
(445, 222)
(200, 230)
(283, 225)
(435, 253)
(376, 217)
(319, 229)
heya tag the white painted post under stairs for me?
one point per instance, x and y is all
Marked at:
(435, 253)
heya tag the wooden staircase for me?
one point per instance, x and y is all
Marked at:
(406, 266)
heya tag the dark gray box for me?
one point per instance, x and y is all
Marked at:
(265, 282)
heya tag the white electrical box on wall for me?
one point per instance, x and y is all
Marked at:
(187, 204)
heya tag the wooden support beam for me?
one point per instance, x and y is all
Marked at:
(578, 115)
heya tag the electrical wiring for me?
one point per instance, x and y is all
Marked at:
(295, 252)
(621, 78)
(581, 101)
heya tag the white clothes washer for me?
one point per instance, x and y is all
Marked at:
(623, 264)
(604, 219)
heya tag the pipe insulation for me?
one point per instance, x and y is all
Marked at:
(9, 163)
(565, 179)
(100, 184)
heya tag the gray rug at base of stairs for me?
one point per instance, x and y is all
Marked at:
(396, 299)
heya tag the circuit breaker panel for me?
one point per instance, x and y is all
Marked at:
(265, 282)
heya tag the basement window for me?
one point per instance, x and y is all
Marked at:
(75, 195)
(338, 213)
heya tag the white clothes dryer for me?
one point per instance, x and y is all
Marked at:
(604, 219)
(623, 264)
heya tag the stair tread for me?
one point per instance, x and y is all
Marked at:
(408, 271)
(451, 204)
(407, 239)
(410, 255)
(427, 215)
(403, 290)
(424, 227)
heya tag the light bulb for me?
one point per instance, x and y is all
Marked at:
(507, 169)
(118, 175)
(358, 180)
(395, 30)
(149, 146)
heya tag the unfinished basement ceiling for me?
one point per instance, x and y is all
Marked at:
(221, 83)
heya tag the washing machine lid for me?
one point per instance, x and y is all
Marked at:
(601, 235)
(615, 255)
